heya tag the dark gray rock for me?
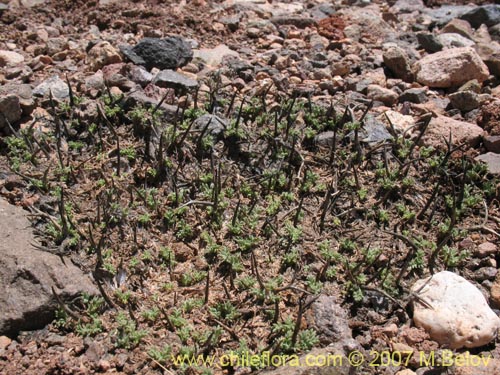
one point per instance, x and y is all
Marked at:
(324, 139)
(442, 15)
(485, 273)
(212, 125)
(237, 65)
(167, 53)
(495, 32)
(27, 276)
(492, 143)
(414, 96)
(485, 14)
(10, 111)
(374, 131)
(173, 80)
(464, 100)
(429, 42)
(358, 85)
(54, 84)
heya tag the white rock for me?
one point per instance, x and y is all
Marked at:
(10, 58)
(458, 315)
(400, 122)
(451, 67)
(213, 56)
(32, 3)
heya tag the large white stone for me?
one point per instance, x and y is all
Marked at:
(454, 312)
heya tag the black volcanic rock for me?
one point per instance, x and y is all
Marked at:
(168, 53)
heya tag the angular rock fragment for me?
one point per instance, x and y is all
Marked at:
(449, 68)
(27, 276)
(167, 53)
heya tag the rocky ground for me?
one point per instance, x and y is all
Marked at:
(206, 177)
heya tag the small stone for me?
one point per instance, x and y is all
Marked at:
(485, 273)
(297, 21)
(95, 81)
(374, 131)
(458, 315)
(441, 127)
(458, 26)
(429, 42)
(32, 3)
(398, 62)
(490, 54)
(381, 94)
(4, 342)
(174, 80)
(56, 45)
(324, 139)
(452, 67)
(399, 121)
(407, 6)
(54, 84)
(232, 22)
(214, 56)
(104, 365)
(215, 125)
(340, 68)
(103, 53)
(10, 110)
(390, 329)
(473, 85)
(330, 320)
(10, 58)
(23, 92)
(415, 95)
(464, 100)
(492, 160)
(453, 40)
(492, 143)
(139, 75)
(486, 249)
(54, 339)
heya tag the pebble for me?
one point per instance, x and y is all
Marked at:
(10, 58)
(458, 315)
(452, 67)
(492, 161)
